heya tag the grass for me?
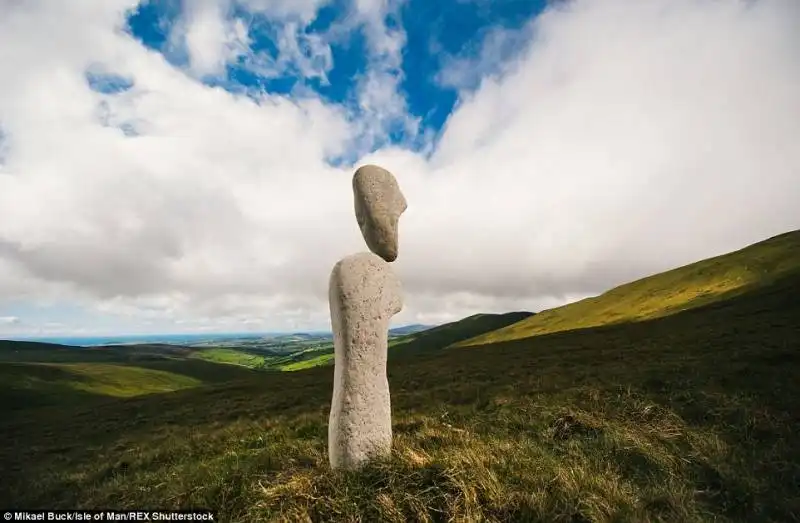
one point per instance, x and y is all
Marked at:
(322, 355)
(688, 417)
(686, 287)
(27, 383)
(449, 333)
(231, 357)
(320, 360)
(430, 339)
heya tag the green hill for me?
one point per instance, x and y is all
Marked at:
(230, 356)
(443, 335)
(36, 374)
(403, 345)
(32, 346)
(687, 287)
(31, 351)
(24, 384)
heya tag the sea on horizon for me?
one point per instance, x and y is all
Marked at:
(170, 339)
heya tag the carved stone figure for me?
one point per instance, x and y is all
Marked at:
(364, 294)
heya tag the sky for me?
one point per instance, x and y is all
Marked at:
(185, 166)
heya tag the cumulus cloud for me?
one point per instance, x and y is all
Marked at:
(212, 38)
(629, 137)
(380, 101)
(492, 54)
(620, 139)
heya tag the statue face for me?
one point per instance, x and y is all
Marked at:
(378, 205)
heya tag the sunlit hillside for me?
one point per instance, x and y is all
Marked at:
(687, 287)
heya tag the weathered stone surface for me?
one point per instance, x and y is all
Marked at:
(379, 204)
(364, 294)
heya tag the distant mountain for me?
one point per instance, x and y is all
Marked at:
(32, 351)
(409, 329)
(301, 336)
(702, 283)
(450, 333)
(327, 335)
(33, 345)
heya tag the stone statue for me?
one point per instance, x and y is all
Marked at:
(364, 294)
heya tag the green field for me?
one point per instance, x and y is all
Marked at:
(431, 339)
(231, 357)
(682, 415)
(75, 377)
(323, 359)
(26, 384)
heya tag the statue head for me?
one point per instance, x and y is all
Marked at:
(378, 204)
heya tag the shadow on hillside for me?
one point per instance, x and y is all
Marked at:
(36, 384)
(26, 386)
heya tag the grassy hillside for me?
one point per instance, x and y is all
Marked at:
(24, 384)
(406, 344)
(687, 287)
(31, 346)
(231, 357)
(409, 329)
(449, 333)
(28, 351)
(320, 359)
(40, 374)
(690, 417)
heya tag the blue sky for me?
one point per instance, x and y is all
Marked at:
(175, 166)
(435, 33)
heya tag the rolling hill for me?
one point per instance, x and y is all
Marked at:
(708, 281)
(34, 374)
(408, 341)
(27, 384)
(409, 329)
(453, 332)
(404, 341)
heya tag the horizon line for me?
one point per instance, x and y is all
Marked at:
(25, 337)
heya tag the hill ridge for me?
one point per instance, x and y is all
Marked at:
(706, 281)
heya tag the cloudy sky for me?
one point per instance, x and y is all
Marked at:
(171, 166)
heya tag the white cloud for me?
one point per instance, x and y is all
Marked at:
(497, 48)
(212, 38)
(381, 103)
(628, 138)
(631, 137)
(302, 10)
(299, 53)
